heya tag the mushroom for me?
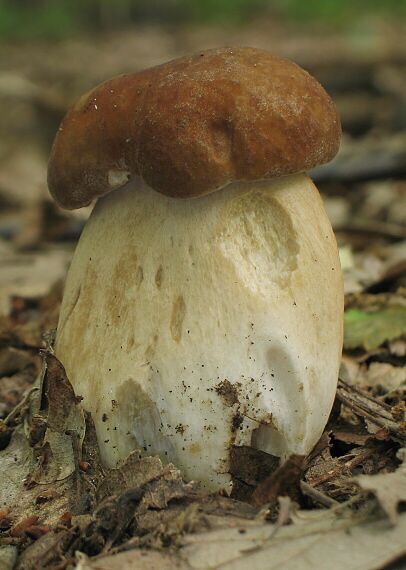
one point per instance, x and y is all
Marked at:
(190, 326)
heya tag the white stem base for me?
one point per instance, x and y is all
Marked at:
(191, 326)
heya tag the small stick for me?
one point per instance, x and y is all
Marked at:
(317, 496)
(347, 465)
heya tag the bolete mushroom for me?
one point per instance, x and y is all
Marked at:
(193, 325)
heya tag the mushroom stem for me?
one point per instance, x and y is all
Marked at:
(189, 326)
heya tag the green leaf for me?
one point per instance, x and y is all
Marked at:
(370, 330)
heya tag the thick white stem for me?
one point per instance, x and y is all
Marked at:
(191, 326)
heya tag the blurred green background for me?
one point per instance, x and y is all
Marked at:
(52, 51)
(59, 18)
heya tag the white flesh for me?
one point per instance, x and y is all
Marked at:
(190, 326)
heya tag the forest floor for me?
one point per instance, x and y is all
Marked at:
(61, 509)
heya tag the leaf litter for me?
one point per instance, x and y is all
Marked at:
(342, 506)
(63, 511)
(59, 509)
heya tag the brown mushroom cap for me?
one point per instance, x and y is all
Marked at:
(193, 125)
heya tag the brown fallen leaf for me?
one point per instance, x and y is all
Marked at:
(285, 481)
(137, 472)
(59, 451)
(350, 437)
(249, 467)
(47, 551)
(109, 522)
(44, 451)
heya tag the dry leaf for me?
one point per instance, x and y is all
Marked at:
(45, 552)
(379, 377)
(43, 452)
(389, 488)
(323, 540)
(133, 560)
(65, 432)
(317, 540)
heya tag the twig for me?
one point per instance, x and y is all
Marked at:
(364, 395)
(345, 466)
(369, 408)
(317, 496)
